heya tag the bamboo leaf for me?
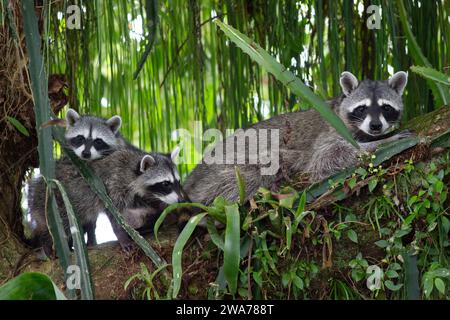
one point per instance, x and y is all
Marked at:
(171, 208)
(231, 248)
(241, 185)
(18, 126)
(440, 93)
(45, 143)
(286, 77)
(87, 287)
(177, 253)
(432, 74)
(152, 24)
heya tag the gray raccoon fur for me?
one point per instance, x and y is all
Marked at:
(130, 177)
(91, 137)
(308, 144)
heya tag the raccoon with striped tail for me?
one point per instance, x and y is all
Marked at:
(139, 184)
(307, 143)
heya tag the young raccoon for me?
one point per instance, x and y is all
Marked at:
(140, 185)
(92, 138)
(307, 143)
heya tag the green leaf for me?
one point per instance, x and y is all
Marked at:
(445, 224)
(267, 253)
(288, 224)
(440, 92)
(301, 205)
(391, 286)
(285, 279)
(382, 243)
(351, 234)
(18, 126)
(440, 285)
(288, 202)
(432, 74)
(358, 274)
(286, 77)
(231, 249)
(257, 277)
(298, 282)
(171, 208)
(392, 274)
(42, 112)
(87, 287)
(438, 186)
(372, 184)
(241, 185)
(151, 10)
(352, 182)
(30, 286)
(215, 236)
(177, 253)
(428, 286)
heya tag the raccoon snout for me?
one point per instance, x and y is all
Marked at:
(375, 126)
(86, 154)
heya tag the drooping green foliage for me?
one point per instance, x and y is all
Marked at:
(45, 143)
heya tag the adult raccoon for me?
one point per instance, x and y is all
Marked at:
(307, 143)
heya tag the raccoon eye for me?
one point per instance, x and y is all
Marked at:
(163, 187)
(359, 111)
(77, 141)
(166, 184)
(387, 108)
(99, 144)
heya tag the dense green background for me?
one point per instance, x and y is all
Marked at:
(194, 73)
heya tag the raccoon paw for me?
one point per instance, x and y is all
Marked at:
(127, 247)
(404, 134)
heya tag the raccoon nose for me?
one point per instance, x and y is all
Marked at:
(376, 126)
(86, 154)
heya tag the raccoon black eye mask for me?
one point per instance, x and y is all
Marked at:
(92, 138)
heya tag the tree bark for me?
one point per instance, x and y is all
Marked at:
(18, 150)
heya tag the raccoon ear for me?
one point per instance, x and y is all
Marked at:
(114, 123)
(398, 81)
(71, 117)
(146, 162)
(175, 153)
(348, 82)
